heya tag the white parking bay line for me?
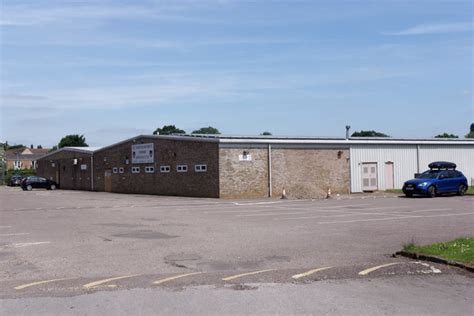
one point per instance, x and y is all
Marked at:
(352, 213)
(27, 244)
(396, 218)
(14, 234)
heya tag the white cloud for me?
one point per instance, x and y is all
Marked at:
(434, 29)
(42, 13)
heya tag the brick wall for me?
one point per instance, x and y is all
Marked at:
(303, 172)
(60, 167)
(166, 153)
(308, 173)
(243, 179)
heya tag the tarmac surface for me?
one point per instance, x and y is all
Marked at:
(71, 248)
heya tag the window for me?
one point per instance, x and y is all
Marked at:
(200, 168)
(165, 169)
(121, 170)
(115, 170)
(149, 169)
(53, 164)
(182, 168)
(135, 169)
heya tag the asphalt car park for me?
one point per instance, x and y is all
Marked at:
(66, 243)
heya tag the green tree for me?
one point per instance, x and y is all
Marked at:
(266, 134)
(168, 130)
(207, 130)
(471, 132)
(369, 134)
(73, 141)
(446, 135)
(54, 148)
(19, 146)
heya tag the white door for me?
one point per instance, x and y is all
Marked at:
(369, 176)
(389, 183)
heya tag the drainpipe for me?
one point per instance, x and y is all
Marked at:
(417, 158)
(270, 193)
(92, 172)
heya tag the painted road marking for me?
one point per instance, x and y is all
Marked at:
(100, 282)
(395, 218)
(233, 277)
(308, 273)
(14, 234)
(24, 286)
(352, 213)
(286, 208)
(367, 271)
(175, 277)
(26, 244)
(349, 212)
(432, 269)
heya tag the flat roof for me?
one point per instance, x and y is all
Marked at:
(304, 140)
(84, 150)
(295, 140)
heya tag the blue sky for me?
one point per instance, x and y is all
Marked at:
(115, 69)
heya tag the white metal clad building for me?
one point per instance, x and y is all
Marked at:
(381, 164)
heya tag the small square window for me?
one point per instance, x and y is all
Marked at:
(165, 169)
(149, 169)
(121, 170)
(200, 168)
(115, 170)
(182, 168)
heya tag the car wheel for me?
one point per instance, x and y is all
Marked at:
(431, 192)
(29, 187)
(462, 189)
(52, 187)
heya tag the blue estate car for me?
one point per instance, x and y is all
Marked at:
(441, 178)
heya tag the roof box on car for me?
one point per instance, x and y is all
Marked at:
(442, 165)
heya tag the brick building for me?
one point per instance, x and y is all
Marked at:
(249, 167)
(230, 167)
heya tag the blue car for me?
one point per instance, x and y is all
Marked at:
(441, 178)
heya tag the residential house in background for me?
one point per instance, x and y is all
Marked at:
(24, 158)
(3, 168)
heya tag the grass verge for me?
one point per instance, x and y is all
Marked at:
(469, 191)
(460, 250)
(394, 191)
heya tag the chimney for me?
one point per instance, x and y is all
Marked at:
(347, 131)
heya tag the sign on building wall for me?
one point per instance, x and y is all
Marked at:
(143, 153)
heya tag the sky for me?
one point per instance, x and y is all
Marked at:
(112, 70)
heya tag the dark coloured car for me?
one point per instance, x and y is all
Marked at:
(33, 182)
(441, 178)
(15, 180)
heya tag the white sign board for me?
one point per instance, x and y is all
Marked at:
(143, 153)
(245, 157)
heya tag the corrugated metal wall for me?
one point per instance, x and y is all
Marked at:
(404, 158)
(461, 155)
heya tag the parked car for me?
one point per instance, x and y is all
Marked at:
(33, 182)
(15, 180)
(441, 178)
